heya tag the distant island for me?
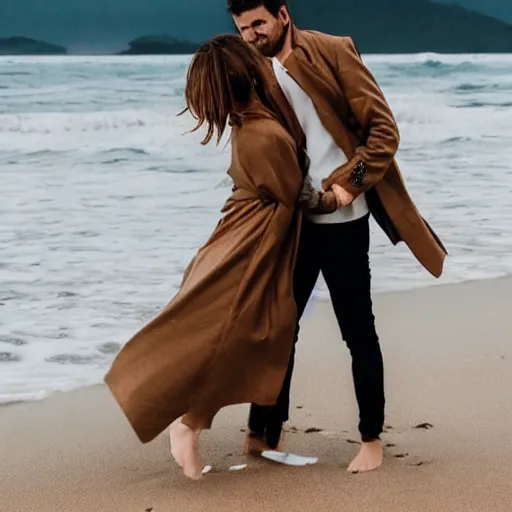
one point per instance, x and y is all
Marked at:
(26, 46)
(159, 45)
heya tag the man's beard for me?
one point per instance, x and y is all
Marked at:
(271, 49)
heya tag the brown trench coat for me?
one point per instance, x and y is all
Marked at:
(226, 337)
(353, 109)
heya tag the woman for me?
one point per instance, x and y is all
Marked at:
(227, 335)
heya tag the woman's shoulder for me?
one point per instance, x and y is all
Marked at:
(262, 134)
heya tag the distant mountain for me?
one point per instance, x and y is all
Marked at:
(159, 45)
(500, 9)
(407, 26)
(394, 26)
(25, 46)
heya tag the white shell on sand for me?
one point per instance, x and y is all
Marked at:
(238, 467)
(289, 459)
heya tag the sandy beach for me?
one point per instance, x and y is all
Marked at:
(448, 361)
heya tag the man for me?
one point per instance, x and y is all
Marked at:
(351, 139)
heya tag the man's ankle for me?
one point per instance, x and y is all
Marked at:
(370, 438)
(273, 434)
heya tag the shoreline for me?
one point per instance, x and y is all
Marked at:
(321, 298)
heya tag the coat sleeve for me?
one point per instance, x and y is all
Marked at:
(271, 163)
(368, 104)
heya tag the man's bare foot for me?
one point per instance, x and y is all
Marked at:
(369, 457)
(184, 449)
(256, 445)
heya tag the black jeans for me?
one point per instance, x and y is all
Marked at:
(340, 252)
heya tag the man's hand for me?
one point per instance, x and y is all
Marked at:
(343, 197)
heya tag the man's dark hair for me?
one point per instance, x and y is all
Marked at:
(238, 7)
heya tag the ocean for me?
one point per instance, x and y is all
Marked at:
(105, 196)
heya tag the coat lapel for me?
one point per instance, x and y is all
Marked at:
(292, 124)
(321, 90)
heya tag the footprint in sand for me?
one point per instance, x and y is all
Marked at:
(424, 426)
(418, 462)
(412, 460)
(313, 430)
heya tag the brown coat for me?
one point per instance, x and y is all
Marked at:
(353, 109)
(227, 335)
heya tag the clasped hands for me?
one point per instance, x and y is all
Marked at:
(324, 201)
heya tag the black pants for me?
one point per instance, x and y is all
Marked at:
(340, 252)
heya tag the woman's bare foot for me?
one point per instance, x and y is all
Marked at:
(370, 457)
(184, 449)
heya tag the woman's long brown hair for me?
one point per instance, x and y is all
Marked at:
(224, 76)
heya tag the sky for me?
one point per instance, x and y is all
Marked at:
(107, 25)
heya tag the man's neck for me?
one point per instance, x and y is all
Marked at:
(287, 49)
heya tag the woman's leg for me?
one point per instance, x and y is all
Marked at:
(185, 449)
(266, 422)
(184, 436)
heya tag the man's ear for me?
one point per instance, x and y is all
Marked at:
(284, 15)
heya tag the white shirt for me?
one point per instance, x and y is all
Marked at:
(324, 154)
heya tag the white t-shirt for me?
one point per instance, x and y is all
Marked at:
(324, 154)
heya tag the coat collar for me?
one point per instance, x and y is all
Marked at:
(298, 40)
